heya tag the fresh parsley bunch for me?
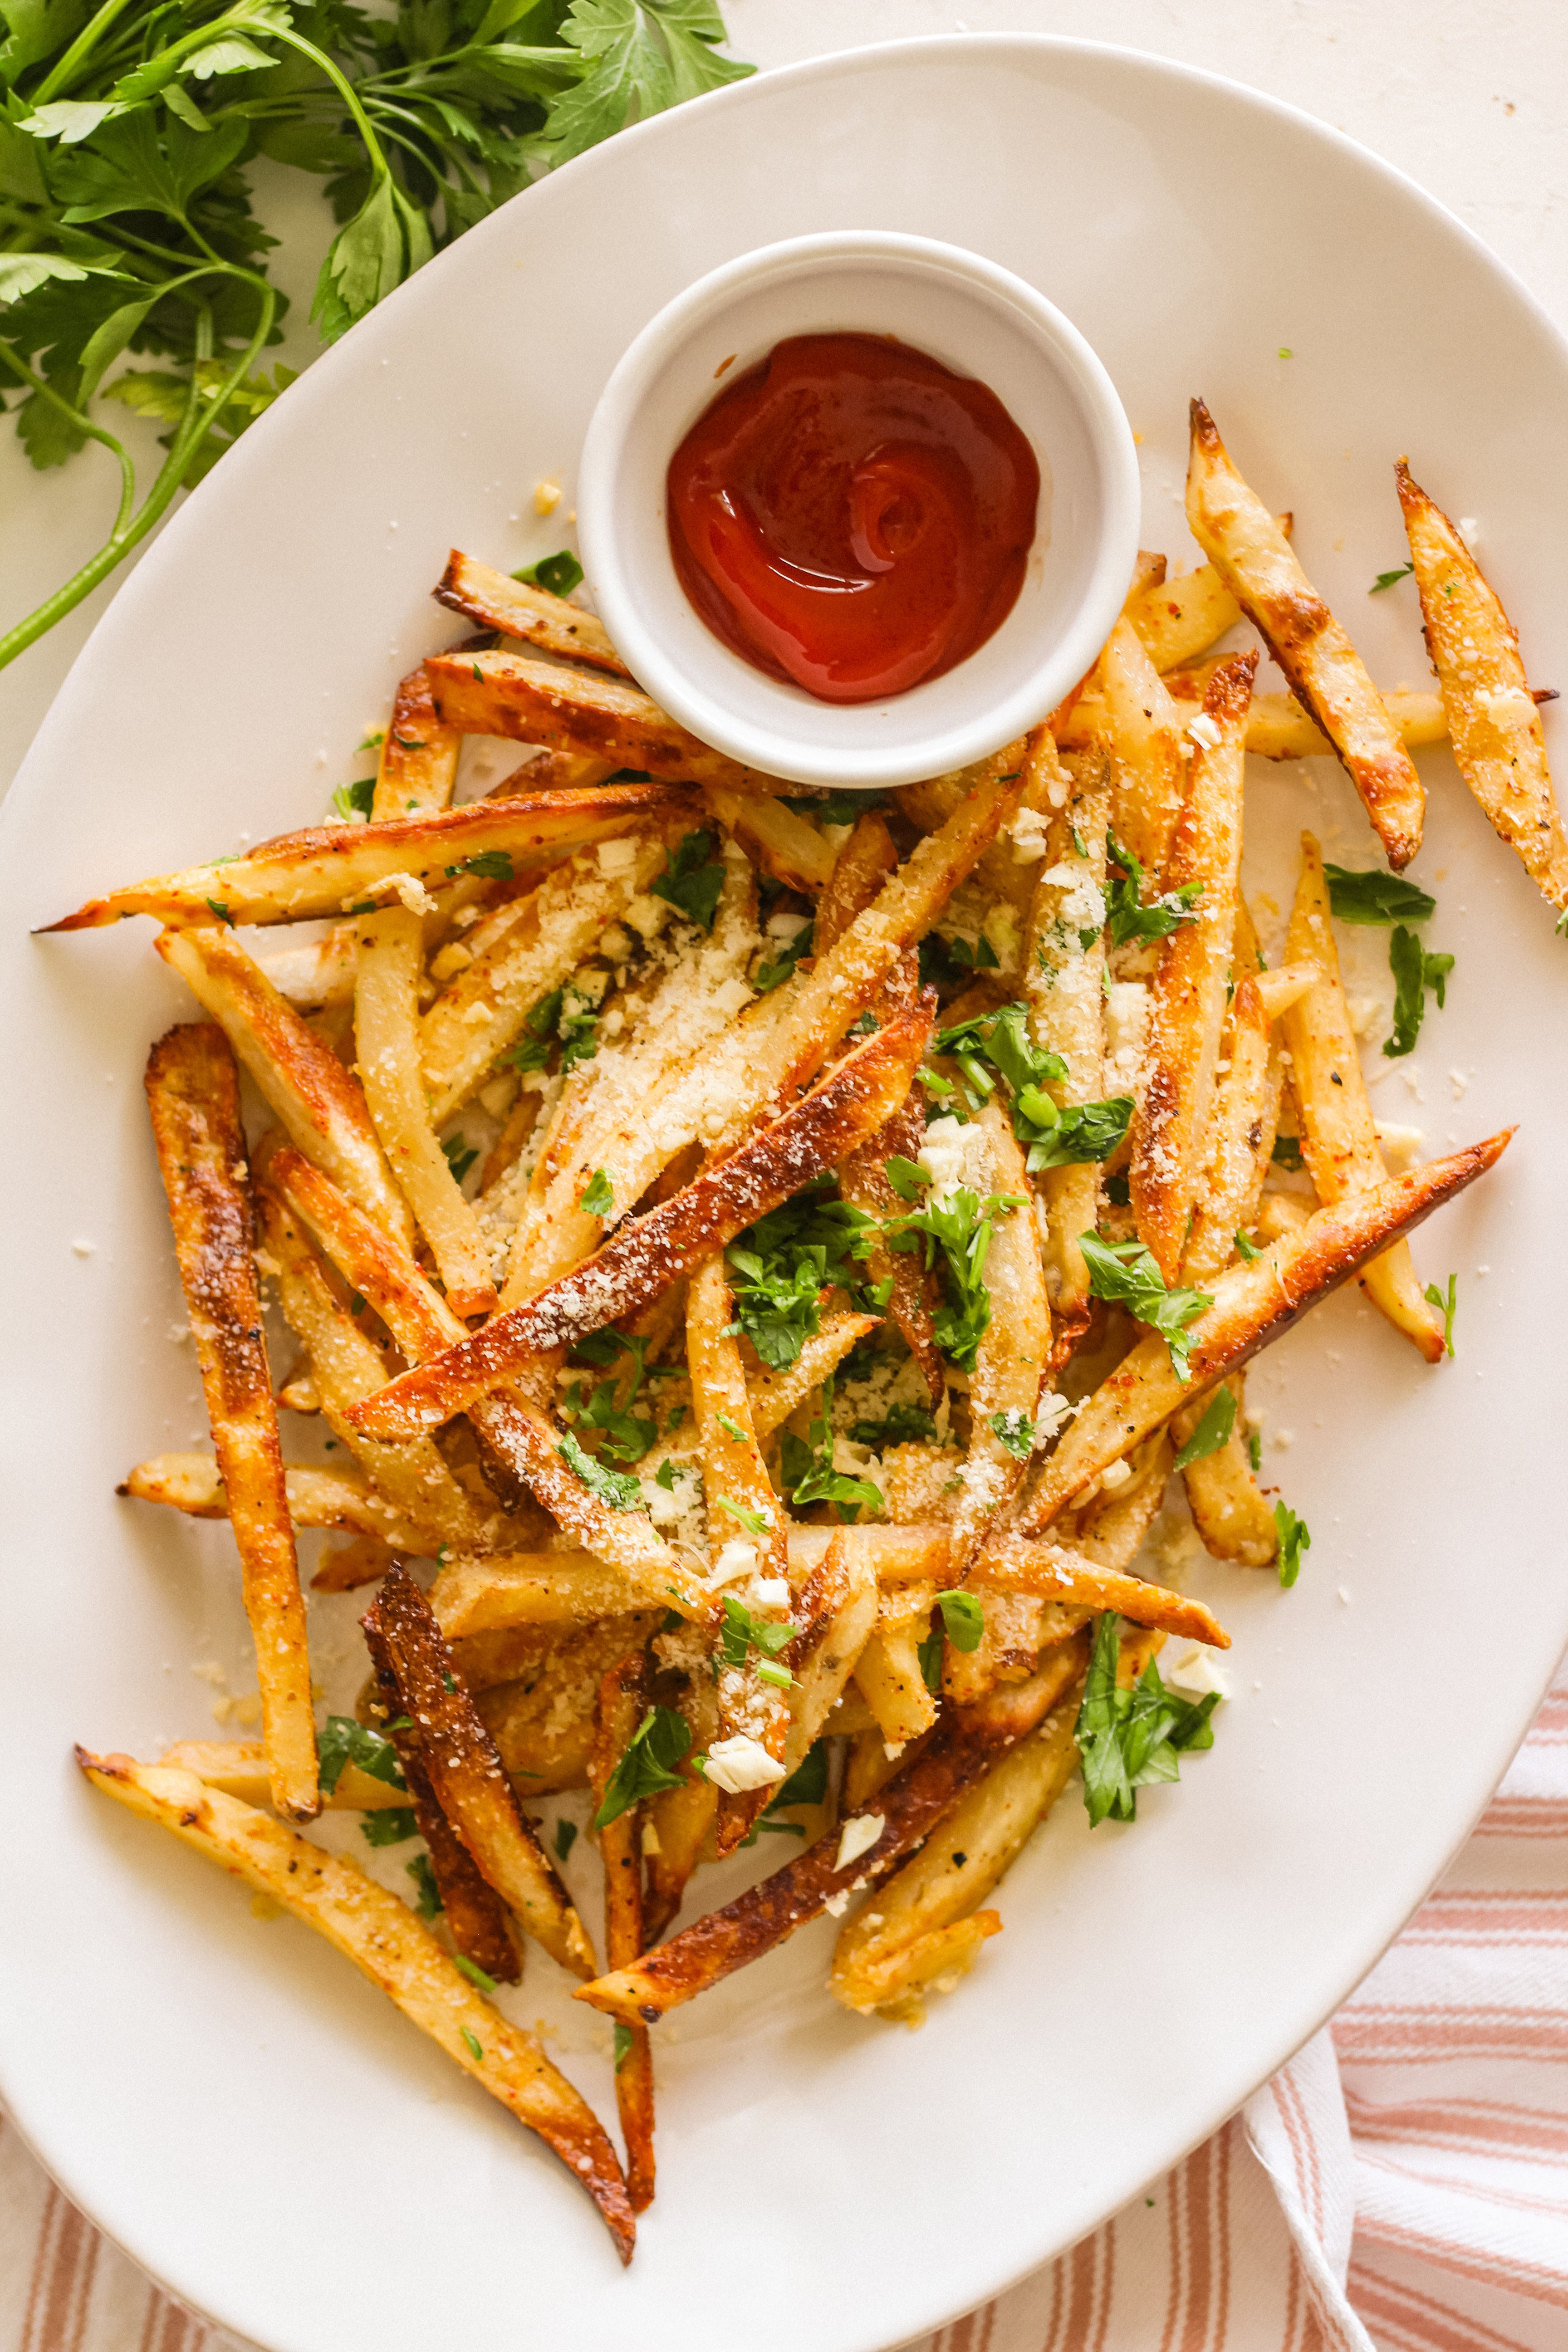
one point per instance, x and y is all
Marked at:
(125, 212)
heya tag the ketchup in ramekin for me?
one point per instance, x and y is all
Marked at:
(852, 517)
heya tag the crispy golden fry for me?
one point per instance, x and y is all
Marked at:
(1109, 1529)
(1246, 1108)
(775, 1394)
(1253, 1305)
(1254, 558)
(366, 1561)
(537, 944)
(1013, 1563)
(1339, 1140)
(320, 973)
(1172, 1129)
(333, 869)
(1147, 572)
(646, 1253)
(348, 1364)
(836, 1610)
(883, 1957)
(785, 845)
(619, 1710)
(460, 1762)
(384, 1939)
(908, 1809)
(1011, 1362)
(888, 1672)
(239, 1768)
(1280, 1213)
(1064, 986)
(859, 873)
(1177, 620)
(299, 1078)
(1228, 1511)
(193, 1094)
(1144, 727)
(543, 1720)
(517, 609)
(1492, 719)
(678, 1824)
(577, 710)
(419, 765)
(193, 1483)
(745, 1518)
(386, 1035)
(1276, 726)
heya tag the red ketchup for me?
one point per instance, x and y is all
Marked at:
(852, 517)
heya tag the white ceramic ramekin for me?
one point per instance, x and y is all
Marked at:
(978, 320)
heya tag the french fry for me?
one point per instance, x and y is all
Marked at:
(301, 1080)
(1064, 987)
(1109, 1529)
(775, 1394)
(239, 1768)
(460, 1762)
(785, 845)
(646, 1253)
(1144, 728)
(619, 1710)
(883, 1957)
(1339, 1140)
(193, 1483)
(1178, 620)
(418, 766)
(1254, 1304)
(390, 1946)
(736, 1482)
(1228, 1511)
(1012, 1563)
(1148, 572)
(836, 1609)
(366, 1561)
(193, 1094)
(678, 1824)
(351, 868)
(318, 974)
(908, 1808)
(578, 710)
(1247, 1110)
(1010, 1368)
(860, 871)
(1276, 726)
(543, 1721)
(413, 1478)
(1171, 1130)
(517, 609)
(386, 1035)
(888, 1672)
(1254, 558)
(1493, 720)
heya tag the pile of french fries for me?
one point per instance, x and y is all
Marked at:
(900, 1652)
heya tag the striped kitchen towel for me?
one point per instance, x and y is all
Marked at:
(1401, 2186)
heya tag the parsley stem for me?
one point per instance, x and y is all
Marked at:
(62, 71)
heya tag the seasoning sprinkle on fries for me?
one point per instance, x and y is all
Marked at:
(770, 1255)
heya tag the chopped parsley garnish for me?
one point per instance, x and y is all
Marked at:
(692, 879)
(664, 1476)
(1125, 1272)
(903, 1424)
(1295, 1538)
(740, 1631)
(1015, 1430)
(1127, 917)
(216, 908)
(541, 1026)
(389, 1825)
(1287, 1152)
(1255, 1451)
(1129, 1738)
(599, 1198)
(346, 1742)
(1053, 1137)
(475, 1974)
(426, 1894)
(956, 1231)
(771, 974)
(1446, 1307)
(489, 865)
(574, 1025)
(743, 1512)
(1246, 1247)
(565, 1839)
(458, 1156)
(626, 1435)
(1368, 894)
(945, 963)
(1415, 972)
(557, 574)
(1386, 579)
(476, 2048)
(354, 800)
(807, 1784)
(730, 1427)
(780, 1266)
(616, 1487)
(834, 808)
(805, 1466)
(1212, 1431)
(626, 2043)
(929, 1655)
(962, 1619)
(654, 1750)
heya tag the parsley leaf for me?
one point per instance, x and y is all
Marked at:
(1054, 1138)
(1414, 972)
(627, 1435)
(692, 879)
(216, 908)
(1127, 917)
(489, 865)
(1212, 1431)
(354, 800)
(1386, 579)
(1368, 894)
(1295, 1538)
(740, 1631)
(780, 1266)
(626, 2043)
(389, 1825)
(648, 1765)
(773, 974)
(807, 1784)
(1125, 1271)
(1129, 1738)
(345, 1742)
(903, 1424)
(955, 1228)
(945, 963)
(1446, 1307)
(426, 1894)
(808, 1475)
(475, 2046)
(638, 56)
(458, 1156)
(598, 1198)
(962, 1619)
(476, 1976)
(1015, 1431)
(616, 1487)
(540, 1027)
(565, 1839)
(1246, 1247)
(557, 574)
(1287, 1152)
